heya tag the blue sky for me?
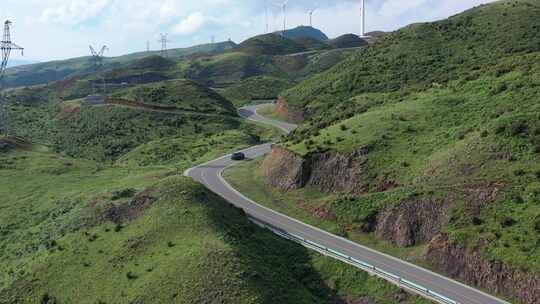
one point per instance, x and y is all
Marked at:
(56, 29)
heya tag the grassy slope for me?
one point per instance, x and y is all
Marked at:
(41, 73)
(422, 54)
(61, 241)
(89, 233)
(256, 88)
(270, 44)
(441, 120)
(107, 132)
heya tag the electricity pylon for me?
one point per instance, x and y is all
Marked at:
(6, 47)
(98, 63)
(164, 42)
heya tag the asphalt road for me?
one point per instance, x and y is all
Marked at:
(210, 174)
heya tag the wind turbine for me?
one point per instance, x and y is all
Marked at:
(363, 21)
(310, 12)
(284, 11)
(266, 15)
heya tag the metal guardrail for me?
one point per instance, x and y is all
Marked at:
(360, 264)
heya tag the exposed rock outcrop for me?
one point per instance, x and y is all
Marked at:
(329, 171)
(412, 222)
(284, 110)
(469, 265)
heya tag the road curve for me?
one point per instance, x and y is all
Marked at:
(210, 174)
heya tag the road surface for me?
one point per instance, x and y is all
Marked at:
(210, 174)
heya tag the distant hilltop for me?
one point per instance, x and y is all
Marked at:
(304, 32)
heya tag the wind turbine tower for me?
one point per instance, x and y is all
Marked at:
(311, 16)
(266, 16)
(284, 12)
(363, 20)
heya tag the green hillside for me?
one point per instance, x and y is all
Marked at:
(421, 55)
(347, 41)
(304, 32)
(107, 131)
(100, 213)
(270, 44)
(41, 73)
(256, 88)
(437, 112)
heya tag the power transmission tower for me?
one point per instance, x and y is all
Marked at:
(97, 57)
(163, 42)
(6, 47)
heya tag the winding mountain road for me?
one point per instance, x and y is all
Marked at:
(418, 279)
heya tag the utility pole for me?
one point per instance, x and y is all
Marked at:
(164, 42)
(148, 46)
(6, 46)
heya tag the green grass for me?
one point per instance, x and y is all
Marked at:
(42, 73)
(75, 231)
(256, 88)
(270, 44)
(442, 108)
(420, 55)
(181, 93)
(185, 246)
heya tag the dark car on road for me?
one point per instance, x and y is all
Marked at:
(238, 156)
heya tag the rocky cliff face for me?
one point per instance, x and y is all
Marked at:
(331, 172)
(412, 222)
(469, 265)
(291, 115)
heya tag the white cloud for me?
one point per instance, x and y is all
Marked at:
(75, 11)
(190, 24)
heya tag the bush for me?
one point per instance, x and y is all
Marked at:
(131, 276)
(532, 193)
(519, 172)
(126, 193)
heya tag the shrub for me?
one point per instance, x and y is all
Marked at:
(518, 128)
(118, 228)
(131, 276)
(537, 225)
(126, 193)
(532, 193)
(519, 172)
(508, 222)
(343, 128)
